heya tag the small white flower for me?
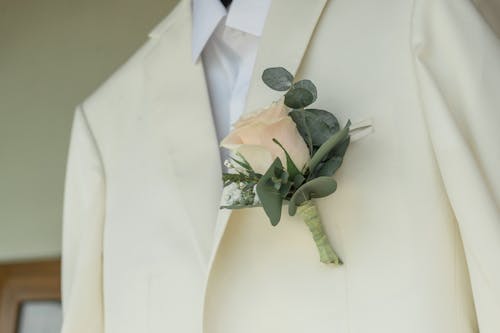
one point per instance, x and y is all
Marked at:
(256, 197)
(236, 196)
(232, 194)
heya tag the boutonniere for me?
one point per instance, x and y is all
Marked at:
(286, 153)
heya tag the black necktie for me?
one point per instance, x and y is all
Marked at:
(226, 3)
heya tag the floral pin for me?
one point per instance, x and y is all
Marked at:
(286, 153)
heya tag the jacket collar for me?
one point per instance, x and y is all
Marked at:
(245, 15)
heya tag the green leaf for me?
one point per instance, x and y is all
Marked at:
(228, 178)
(309, 86)
(315, 125)
(269, 195)
(328, 146)
(299, 118)
(329, 167)
(242, 162)
(284, 177)
(340, 149)
(297, 98)
(323, 125)
(277, 78)
(316, 188)
(298, 180)
(240, 206)
(291, 168)
(284, 189)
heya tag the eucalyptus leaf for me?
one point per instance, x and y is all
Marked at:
(316, 188)
(325, 117)
(299, 118)
(314, 125)
(297, 98)
(340, 149)
(328, 146)
(277, 78)
(307, 85)
(269, 195)
(329, 167)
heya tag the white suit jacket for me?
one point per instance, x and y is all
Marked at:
(415, 218)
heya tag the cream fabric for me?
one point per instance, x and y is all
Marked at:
(415, 217)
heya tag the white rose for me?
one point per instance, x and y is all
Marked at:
(253, 135)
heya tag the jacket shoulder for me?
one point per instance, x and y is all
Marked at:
(123, 86)
(120, 98)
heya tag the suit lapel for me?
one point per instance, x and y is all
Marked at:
(178, 106)
(289, 27)
(176, 84)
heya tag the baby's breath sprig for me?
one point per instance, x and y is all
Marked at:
(240, 184)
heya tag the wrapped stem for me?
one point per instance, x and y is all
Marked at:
(309, 213)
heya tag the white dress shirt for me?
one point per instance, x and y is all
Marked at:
(227, 41)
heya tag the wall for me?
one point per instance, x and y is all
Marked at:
(53, 53)
(491, 12)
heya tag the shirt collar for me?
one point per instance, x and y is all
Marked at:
(245, 15)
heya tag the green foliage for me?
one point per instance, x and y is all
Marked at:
(316, 188)
(240, 206)
(315, 126)
(275, 186)
(328, 147)
(290, 165)
(245, 174)
(242, 162)
(329, 167)
(297, 98)
(268, 190)
(341, 148)
(309, 86)
(326, 141)
(298, 180)
(300, 119)
(277, 78)
(228, 178)
(301, 94)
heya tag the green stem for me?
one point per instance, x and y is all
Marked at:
(309, 213)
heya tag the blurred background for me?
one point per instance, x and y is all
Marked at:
(53, 54)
